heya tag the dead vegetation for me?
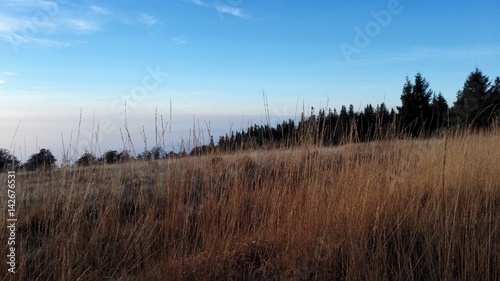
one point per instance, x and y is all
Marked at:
(388, 210)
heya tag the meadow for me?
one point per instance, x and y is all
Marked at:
(401, 209)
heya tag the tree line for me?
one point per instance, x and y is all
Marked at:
(422, 113)
(45, 160)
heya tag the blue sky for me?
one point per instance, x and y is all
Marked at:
(212, 59)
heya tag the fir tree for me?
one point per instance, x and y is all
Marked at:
(415, 110)
(472, 101)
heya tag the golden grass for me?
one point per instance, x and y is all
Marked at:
(375, 211)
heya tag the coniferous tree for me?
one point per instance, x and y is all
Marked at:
(493, 103)
(439, 108)
(472, 101)
(367, 123)
(351, 112)
(415, 110)
(382, 120)
(382, 114)
(344, 122)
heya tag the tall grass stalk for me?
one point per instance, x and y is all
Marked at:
(386, 210)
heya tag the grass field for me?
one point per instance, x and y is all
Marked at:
(388, 210)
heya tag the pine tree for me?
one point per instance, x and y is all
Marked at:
(367, 122)
(494, 101)
(472, 101)
(382, 114)
(440, 109)
(415, 110)
(344, 122)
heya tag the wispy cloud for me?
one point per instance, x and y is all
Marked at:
(19, 96)
(16, 40)
(179, 40)
(27, 5)
(226, 9)
(148, 19)
(84, 26)
(31, 17)
(25, 22)
(199, 3)
(222, 8)
(99, 10)
(421, 53)
(9, 24)
(20, 26)
(8, 73)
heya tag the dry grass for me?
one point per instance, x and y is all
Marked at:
(375, 211)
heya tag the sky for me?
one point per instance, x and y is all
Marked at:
(204, 65)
